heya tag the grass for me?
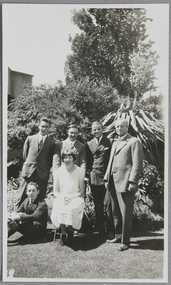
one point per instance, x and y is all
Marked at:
(90, 257)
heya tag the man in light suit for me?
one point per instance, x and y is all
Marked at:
(98, 152)
(70, 144)
(122, 174)
(38, 154)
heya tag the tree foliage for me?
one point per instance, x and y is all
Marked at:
(79, 102)
(24, 113)
(91, 99)
(153, 105)
(104, 47)
(142, 63)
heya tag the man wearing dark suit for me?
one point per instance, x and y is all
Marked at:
(70, 144)
(38, 154)
(98, 152)
(122, 174)
(31, 217)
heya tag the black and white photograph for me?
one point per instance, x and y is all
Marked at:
(85, 142)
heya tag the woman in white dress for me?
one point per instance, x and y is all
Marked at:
(68, 205)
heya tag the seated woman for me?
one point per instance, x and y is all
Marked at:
(68, 206)
(31, 217)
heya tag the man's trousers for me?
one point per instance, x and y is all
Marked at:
(22, 189)
(120, 212)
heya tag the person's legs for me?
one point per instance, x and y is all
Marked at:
(42, 186)
(32, 230)
(21, 196)
(98, 192)
(114, 218)
(13, 227)
(62, 240)
(126, 203)
(70, 231)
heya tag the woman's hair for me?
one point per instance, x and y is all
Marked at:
(68, 153)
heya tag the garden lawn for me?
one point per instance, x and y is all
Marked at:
(90, 257)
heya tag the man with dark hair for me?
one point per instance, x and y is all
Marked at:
(122, 174)
(31, 217)
(38, 154)
(73, 145)
(98, 152)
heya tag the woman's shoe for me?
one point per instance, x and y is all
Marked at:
(62, 239)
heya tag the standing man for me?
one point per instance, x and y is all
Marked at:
(73, 145)
(124, 168)
(98, 152)
(38, 154)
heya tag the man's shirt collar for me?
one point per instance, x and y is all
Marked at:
(99, 139)
(121, 138)
(71, 142)
(42, 137)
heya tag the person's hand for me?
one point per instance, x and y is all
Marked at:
(132, 186)
(67, 200)
(15, 216)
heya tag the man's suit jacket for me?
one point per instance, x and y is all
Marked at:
(36, 211)
(79, 149)
(97, 159)
(125, 163)
(37, 159)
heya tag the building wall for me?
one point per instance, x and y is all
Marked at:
(16, 82)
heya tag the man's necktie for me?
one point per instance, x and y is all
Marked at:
(72, 146)
(40, 144)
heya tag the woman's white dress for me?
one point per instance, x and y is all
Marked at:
(68, 183)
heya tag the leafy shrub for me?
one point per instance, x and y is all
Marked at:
(149, 199)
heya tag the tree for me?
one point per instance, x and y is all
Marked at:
(142, 62)
(93, 100)
(103, 48)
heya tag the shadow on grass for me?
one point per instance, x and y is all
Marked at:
(152, 244)
(23, 240)
(146, 234)
(80, 241)
(84, 242)
(87, 242)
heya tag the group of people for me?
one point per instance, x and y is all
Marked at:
(111, 169)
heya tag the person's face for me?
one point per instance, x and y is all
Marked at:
(121, 128)
(44, 128)
(97, 130)
(68, 160)
(32, 192)
(73, 134)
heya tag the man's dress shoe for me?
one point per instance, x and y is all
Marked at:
(114, 240)
(123, 247)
